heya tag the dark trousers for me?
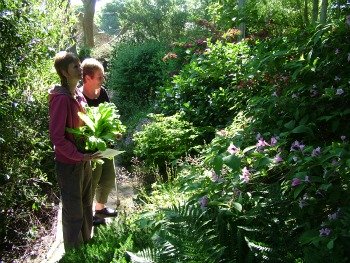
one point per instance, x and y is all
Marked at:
(76, 195)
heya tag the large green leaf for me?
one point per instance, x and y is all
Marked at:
(87, 121)
(232, 161)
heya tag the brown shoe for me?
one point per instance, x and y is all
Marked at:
(106, 212)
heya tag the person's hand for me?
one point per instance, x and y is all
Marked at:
(92, 156)
(118, 136)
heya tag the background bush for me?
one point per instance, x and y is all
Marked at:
(134, 74)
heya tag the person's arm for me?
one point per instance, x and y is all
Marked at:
(58, 116)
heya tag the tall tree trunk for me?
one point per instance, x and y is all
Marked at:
(88, 22)
(323, 15)
(241, 25)
(315, 4)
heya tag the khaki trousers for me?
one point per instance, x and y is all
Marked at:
(103, 180)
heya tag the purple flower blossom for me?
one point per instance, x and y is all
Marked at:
(278, 159)
(334, 162)
(347, 21)
(333, 216)
(214, 176)
(307, 179)
(336, 51)
(203, 201)
(339, 92)
(245, 176)
(343, 137)
(273, 141)
(296, 182)
(316, 152)
(303, 201)
(325, 232)
(297, 146)
(262, 143)
(313, 93)
(258, 136)
(232, 149)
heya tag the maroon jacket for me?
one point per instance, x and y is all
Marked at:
(63, 113)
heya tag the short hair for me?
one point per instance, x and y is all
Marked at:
(61, 62)
(89, 66)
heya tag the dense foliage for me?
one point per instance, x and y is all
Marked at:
(134, 74)
(30, 33)
(271, 182)
(272, 186)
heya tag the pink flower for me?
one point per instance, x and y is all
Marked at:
(258, 136)
(296, 182)
(333, 216)
(232, 149)
(273, 141)
(339, 92)
(214, 176)
(325, 232)
(261, 144)
(203, 201)
(348, 20)
(316, 152)
(313, 93)
(278, 159)
(245, 176)
(297, 146)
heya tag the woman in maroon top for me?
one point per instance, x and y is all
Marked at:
(73, 167)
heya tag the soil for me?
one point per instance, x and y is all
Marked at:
(48, 248)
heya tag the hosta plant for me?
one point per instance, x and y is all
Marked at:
(102, 128)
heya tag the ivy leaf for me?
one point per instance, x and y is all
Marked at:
(237, 206)
(217, 163)
(298, 190)
(232, 161)
(290, 125)
(302, 129)
(309, 236)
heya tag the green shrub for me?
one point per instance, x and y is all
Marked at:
(134, 74)
(208, 90)
(164, 140)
